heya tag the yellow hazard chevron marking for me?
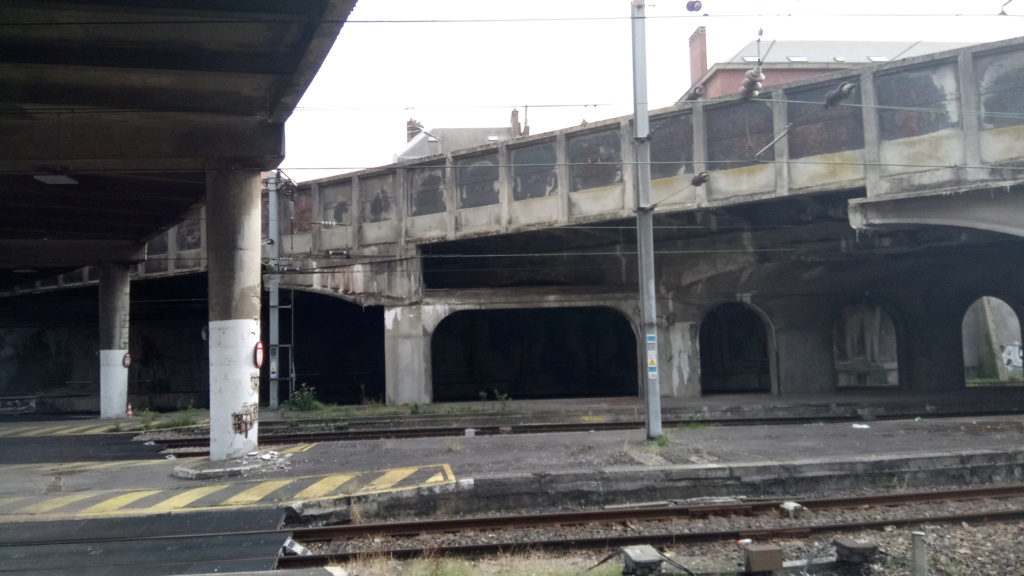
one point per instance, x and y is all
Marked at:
(324, 487)
(237, 494)
(118, 502)
(388, 479)
(54, 503)
(257, 492)
(189, 496)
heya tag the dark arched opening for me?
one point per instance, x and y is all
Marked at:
(734, 351)
(533, 353)
(338, 348)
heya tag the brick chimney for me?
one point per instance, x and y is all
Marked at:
(412, 129)
(698, 55)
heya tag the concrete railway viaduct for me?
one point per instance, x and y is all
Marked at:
(833, 247)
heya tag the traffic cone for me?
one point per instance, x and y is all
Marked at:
(130, 415)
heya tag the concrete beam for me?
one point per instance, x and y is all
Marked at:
(68, 253)
(117, 141)
(992, 210)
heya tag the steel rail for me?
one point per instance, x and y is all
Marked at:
(643, 514)
(676, 538)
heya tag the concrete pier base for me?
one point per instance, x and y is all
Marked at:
(114, 319)
(233, 235)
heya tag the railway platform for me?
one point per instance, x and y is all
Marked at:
(726, 446)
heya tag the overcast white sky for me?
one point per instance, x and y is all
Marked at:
(567, 60)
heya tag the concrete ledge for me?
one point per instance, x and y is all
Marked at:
(621, 485)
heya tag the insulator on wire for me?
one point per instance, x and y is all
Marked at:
(700, 178)
(836, 96)
(693, 6)
(751, 86)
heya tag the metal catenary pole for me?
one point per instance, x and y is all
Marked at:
(273, 285)
(644, 221)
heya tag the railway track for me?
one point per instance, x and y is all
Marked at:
(198, 446)
(332, 540)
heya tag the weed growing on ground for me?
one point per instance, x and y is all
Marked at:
(453, 445)
(660, 441)
(114, 428)
(503, 398)
(181, 419)
(694, 423)
(355, 512)
(304, 400)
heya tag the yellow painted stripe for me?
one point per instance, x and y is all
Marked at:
(299, 448)
(436, 478)
(102, 429)
(187, 497)
(19, 430)
(119, 502)
(257, 492)
(75, 429)
(7, 500)
(389, 479)
(44, 431)
(448, 472)
(54, 503)
(324, 487)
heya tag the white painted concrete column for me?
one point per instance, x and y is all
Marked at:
(114, 320)
(233, 244)
(407, 369)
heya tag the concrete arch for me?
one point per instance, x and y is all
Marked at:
(866, 345)
(765, 378)
(533, 352)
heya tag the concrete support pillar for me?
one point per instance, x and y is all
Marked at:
(800, 345)
(114, 317)
(678, 349)
(407, 370)
(233, 244)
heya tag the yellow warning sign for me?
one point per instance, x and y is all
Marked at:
(651, 362)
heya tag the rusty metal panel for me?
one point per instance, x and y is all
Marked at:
(820, 130)
(298, 210)
(190, 232)
(478, 181)
(378, 198)
(1001, 83)
(738, 131)
(533, 171)
(596, 160)
(917, 102)
(336, 201)
(426, 190)
(671, 146)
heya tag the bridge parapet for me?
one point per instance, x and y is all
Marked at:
(951, 122)
(941, 122)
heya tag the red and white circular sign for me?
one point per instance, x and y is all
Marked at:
(126, 361)
(258, 358)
